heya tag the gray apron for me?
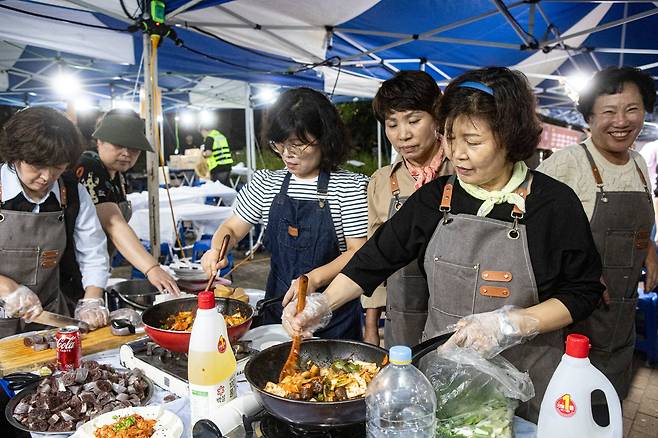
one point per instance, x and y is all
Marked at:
(31, 247)
(406, 293)
(621, 225)
(126, 211)
(477, 264)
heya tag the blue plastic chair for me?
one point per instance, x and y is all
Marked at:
(647, 310)
(164, 250)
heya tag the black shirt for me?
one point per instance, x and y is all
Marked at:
(565, 261)
(93, 174)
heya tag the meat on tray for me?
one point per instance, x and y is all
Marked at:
(64, 401)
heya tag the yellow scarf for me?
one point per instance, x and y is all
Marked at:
(506, 194)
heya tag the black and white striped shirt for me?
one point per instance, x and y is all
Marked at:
(347, 197)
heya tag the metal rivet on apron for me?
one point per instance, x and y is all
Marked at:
(604, 200)
(513, 234)
(436, 259)
(485, 275)
(60, 218)
(2, 217)
(506, 276)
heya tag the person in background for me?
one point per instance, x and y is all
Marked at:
(612, 182)
(46, 220)
(650, 154)
(507, 251)
(407, 106)
(120, 139)
(315, 214)
(217, 153)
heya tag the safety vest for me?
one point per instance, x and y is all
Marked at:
(221, 153)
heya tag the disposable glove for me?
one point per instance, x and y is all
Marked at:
(490, 333)
(316, 315)
(93, 312)
(22, 303)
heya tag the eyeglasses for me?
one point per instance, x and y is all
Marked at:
(294, 149)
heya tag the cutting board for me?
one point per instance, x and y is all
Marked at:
(14, 356)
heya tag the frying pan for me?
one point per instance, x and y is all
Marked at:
(178, 341)
(266, 365)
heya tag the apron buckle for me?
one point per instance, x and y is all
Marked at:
(446, 219)
(2, 217)
(60, 217)
(514, 232)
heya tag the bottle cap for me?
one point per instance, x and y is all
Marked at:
(400, 355)
(578, 346)
(206, 300)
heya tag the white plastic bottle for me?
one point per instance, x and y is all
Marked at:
(211, 363)
(566, 410)
(400, 401)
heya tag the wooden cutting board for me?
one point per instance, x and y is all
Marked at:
(14, 356)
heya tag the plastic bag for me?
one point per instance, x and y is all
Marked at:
(476, 397)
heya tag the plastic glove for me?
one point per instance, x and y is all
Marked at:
(22, 303)
(492, 332)
(93, 312)
(316, 315)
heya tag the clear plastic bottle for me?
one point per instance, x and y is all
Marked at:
(211, 363)
(400, 401)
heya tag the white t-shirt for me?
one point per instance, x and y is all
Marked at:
(346, 194)
(571, 166)
(650, 154)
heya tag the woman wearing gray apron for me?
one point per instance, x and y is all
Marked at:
(406, 105)
(507, 252)
(120, 139)
(611, 181)
(315, 214)
(36, 146)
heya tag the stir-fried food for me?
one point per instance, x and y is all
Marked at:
(182, 321)
(343, 380)
(130, 426)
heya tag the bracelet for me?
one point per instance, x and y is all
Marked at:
(149, 269)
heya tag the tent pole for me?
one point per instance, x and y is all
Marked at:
(249, 147)
(152, 162)
(379, 145)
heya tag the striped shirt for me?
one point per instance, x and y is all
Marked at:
(347, 197)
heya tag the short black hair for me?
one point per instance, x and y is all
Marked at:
(510, 112)
(611, 81)
(408, 90)
(304, 113)
(40, 136)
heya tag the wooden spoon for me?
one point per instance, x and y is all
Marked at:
(291, 365)
(222, 254)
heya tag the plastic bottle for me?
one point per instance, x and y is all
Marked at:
(400, 401)
(566, 409)
(211, 363)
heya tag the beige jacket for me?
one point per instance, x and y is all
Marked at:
(379, 202)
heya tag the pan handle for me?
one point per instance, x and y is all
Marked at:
(420, 350)
(261, 304)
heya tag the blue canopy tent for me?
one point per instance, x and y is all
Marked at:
(344, 48)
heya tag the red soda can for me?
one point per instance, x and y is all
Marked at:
(69, 348)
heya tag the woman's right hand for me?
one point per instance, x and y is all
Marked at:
(211, 264)
(316, 315)
(23, 303)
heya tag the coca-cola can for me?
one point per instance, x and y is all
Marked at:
(69, 348)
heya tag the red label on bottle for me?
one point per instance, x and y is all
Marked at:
(565, 406)
(221, 345)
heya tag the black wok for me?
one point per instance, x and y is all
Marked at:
(266, 366)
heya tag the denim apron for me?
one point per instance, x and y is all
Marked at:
(301, 237)
(477, 264)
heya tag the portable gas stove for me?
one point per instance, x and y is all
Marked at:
(168, 369)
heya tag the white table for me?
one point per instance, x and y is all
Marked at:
(238, 172)
(205, 218)
(186, 195)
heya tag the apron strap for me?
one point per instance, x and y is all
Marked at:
(286, 182)
(63, 194)
(642, 178)
(446, 198)
(395, 190)
(595, 169)
(323, 188)
(523, 190)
